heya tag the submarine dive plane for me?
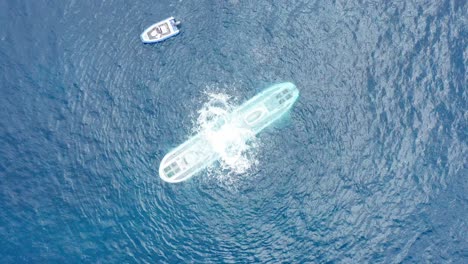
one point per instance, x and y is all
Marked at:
(197, 153)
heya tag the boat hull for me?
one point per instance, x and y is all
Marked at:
(160, 31)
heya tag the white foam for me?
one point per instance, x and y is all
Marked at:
(236, 146)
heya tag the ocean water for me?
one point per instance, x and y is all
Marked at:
(369, 166)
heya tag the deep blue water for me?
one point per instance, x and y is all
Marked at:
(369, 167)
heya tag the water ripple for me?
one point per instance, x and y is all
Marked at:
(368, 167)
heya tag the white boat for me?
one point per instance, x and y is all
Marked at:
(160, 31)
(257, 113)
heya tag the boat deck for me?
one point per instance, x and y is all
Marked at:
(160, 31)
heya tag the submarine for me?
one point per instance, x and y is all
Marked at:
(254, 115)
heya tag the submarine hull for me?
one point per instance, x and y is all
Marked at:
(197, 153)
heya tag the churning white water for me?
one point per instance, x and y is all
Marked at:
(234, 145)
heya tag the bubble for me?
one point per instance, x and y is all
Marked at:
(235, 145)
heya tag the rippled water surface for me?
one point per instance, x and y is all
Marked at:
(369, 166)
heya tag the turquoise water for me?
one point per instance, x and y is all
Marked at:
(369, 167)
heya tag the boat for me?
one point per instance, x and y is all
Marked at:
(160, 31)
(197, 153)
